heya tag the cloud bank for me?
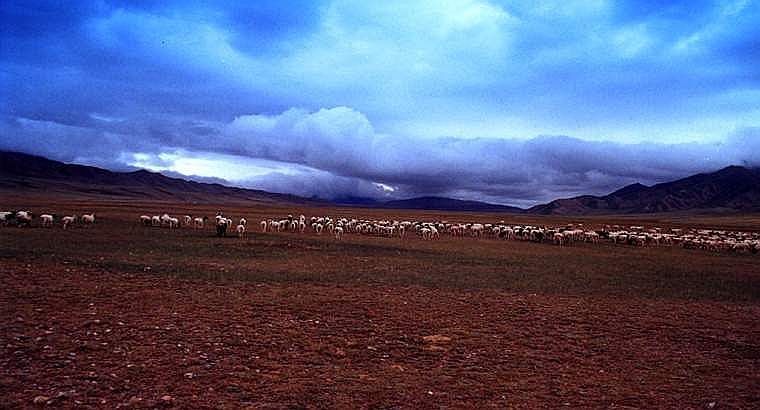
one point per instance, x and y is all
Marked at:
(334, 153)
(512, 102)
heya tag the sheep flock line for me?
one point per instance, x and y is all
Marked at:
(564, 235)
(25, 218)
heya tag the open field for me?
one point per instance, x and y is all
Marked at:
(126, 315)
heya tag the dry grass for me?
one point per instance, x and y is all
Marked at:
(288, 321)
(120, 243)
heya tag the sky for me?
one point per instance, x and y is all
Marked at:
(501, 101)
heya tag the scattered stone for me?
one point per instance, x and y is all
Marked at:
(41, 399)
(436, 339)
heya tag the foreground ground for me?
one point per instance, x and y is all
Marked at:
(122, 315)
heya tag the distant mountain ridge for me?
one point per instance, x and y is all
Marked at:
(23, 172)
(29, 173)
(447, 204)
(731, 188)
(426, 203)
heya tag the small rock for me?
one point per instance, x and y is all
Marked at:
(41, 399)
(167, 399)
(437, 339)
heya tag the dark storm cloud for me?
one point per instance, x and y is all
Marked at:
(343, 142)
(336, 152)
(660, 90)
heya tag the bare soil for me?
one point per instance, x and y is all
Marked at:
(121, 315)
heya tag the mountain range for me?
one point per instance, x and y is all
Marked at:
(732, 188)
(24, 173)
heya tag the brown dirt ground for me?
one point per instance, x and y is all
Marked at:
(279, 321)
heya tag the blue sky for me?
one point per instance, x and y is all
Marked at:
(509, 102)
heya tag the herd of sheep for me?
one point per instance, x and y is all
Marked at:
(25, 218)
(712, 240)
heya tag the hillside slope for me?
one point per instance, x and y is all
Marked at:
(23, 173)
(733, 188)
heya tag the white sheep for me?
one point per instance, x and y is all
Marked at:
(166, 220)
(68, 220)
(263, 226)
(283, 225)
(173, 222)
(24, 218)
(426, 233)
(243, 221)
(47, 220)
(5, 217)
(434, 234)
(476, 230)
(88, 220)
(591, 236)
(240, 231)
(338, 232)
(559, 239)
(222, 224)
(198, 222)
